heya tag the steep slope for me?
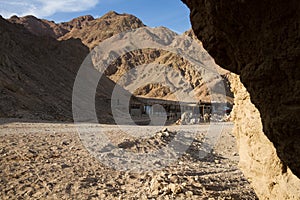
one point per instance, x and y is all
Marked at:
(134, 68)
(38, 73)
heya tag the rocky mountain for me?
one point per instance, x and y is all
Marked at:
(104, 27)
(38, 73)
(89, 30)
(40, 27)
(40, 59)
(136, 68)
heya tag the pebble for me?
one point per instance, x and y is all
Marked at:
(189, 193)
(175, 189)
(65, 143)
(166, 134)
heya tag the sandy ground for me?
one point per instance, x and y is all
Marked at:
(49, 161)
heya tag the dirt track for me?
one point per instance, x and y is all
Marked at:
(49, 161)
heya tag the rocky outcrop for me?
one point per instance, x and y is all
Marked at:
(258, 158)
(259, 40)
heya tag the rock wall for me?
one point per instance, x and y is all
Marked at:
(259, 40)
(258, 158)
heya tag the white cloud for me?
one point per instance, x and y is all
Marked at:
(43, 8)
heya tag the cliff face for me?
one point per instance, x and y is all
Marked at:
(259, 40)
(258, 159)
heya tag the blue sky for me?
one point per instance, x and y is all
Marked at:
(169, 13)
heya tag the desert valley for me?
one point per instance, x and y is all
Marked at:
(110, 108)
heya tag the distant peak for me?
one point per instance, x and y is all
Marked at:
(30, 17)
(189, 32)
(87, 17)
(111, 13)
(27, 18)
(163, 28)
(14, 17)
(84, 18)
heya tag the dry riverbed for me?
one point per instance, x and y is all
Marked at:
(49, 161)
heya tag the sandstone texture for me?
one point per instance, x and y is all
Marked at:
(258, 158)
(259, 40)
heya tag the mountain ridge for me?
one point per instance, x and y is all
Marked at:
(42, 58)
(99, 29)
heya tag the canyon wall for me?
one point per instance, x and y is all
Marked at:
(259, 40)
(258, 158)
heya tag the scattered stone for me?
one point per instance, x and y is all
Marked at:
(173, 179)
(65, 143)
(175, 188)
(165, 134)
(189, 193)
(76, 174)
(33, 151)
(63, 166)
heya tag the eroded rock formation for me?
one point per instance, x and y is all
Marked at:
(258, 158)
(259, 40)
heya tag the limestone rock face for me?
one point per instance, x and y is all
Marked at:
(259, 40)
